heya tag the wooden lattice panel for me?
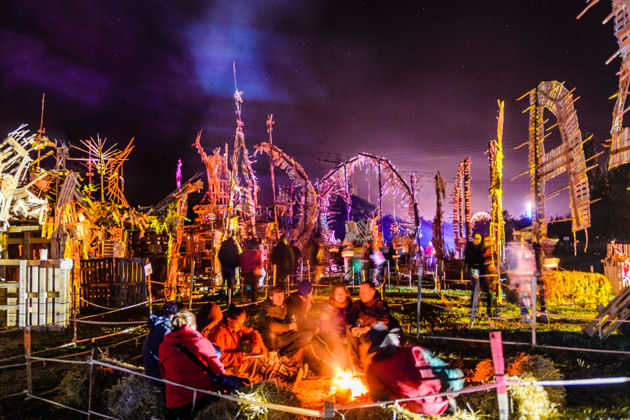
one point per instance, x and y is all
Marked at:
(568, 157)
(113, 282)
(37, 293)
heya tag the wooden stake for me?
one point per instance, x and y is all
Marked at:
(27, 355)
(192, 283)
(91, 389)
(149, 291)
(496, 345)
(533, 303)
(419, 303)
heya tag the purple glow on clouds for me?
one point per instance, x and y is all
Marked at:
(32, 62)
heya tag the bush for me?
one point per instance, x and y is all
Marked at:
(577, 287)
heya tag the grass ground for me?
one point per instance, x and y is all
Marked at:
(607, 401)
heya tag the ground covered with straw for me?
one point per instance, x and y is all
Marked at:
(122, 396)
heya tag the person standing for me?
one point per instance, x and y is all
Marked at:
(229, 259)
(251, 268)
(282, 258)
(477, 274)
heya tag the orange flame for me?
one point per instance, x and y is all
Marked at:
(345, 381)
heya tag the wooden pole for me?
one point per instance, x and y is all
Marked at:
(192, 283)
(91, 388)
(74, 311)
(274, 274)
(150, 294)
(380, 195)
(27, 355)
(533, 303)
(419, 303)
(496, 345)
(347, 190)
(270, 123)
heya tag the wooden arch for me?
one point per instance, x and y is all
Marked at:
(335, 184)
(306, 208)
(569, 156)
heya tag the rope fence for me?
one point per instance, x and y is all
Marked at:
(329, 409)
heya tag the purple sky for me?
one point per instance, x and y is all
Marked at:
(415, 81)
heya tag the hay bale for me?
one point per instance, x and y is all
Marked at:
(263, 392)
(526, 367)
(74, 387)
(541, 369)
(532, 401)
(135, 397)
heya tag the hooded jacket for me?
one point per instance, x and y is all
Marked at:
(159, 325)
(177, 367)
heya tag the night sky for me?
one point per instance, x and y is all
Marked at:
(415, 81)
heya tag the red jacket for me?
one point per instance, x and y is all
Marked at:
(250, 260)
(228, 341)
(406, 374)
(177, 367)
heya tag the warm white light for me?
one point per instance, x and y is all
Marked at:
(345, 381)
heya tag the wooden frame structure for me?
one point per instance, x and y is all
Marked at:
(37, 293)
(335, 184)
(305, 196)
(568, 157)
(495, 158)
(620, 135)
(462, 227)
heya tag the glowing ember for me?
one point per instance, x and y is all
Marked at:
(345, 381)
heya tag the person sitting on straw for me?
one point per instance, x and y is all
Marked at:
(280, 332)
(233, 337)
(364, 314)
(177, 366)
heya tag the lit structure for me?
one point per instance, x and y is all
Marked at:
(303, 206)
(620, 135)
(335, 184)
(438, 233)
(495, 158)
(568, 157)
(462, 229)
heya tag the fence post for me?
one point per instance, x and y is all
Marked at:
(419, 304)
(149, 292)
(496, 346)
(74, 312)
(192, 283)
(534, 294)
(27, 355)
(91, 389)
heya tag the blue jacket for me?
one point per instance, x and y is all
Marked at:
(159, 325)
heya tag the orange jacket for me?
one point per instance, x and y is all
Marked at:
(228, 341)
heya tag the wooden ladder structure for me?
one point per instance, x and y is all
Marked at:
(610, 318)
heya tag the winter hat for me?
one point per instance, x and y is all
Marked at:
(304, 288)
(172, 307)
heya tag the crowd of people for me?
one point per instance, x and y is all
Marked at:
(220, 351)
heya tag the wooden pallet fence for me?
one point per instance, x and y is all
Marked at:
(34, 293)
(113, 282)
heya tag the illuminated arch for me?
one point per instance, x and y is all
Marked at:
(334, 184)
(306, 210)
(569, 156)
